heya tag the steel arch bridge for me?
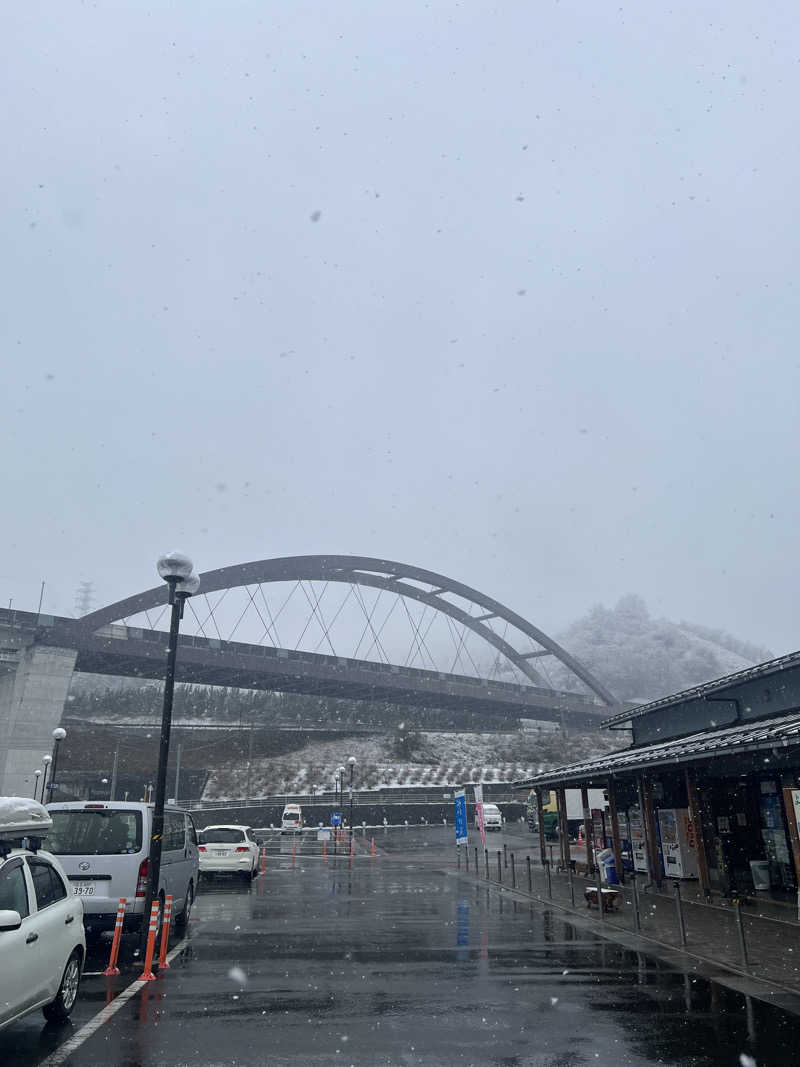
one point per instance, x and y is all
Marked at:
(218, 659)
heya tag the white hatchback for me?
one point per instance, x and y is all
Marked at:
(228, 849)
(42, 941)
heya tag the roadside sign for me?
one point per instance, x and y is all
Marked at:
(460, 801)
(478, 789)
(323, 834)
(336, 818)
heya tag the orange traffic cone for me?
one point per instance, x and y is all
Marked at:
(580, 834)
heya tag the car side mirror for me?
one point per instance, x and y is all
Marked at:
(10, 920)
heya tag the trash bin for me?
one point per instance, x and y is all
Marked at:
(610, 872)
(759, 870)
(605, 859)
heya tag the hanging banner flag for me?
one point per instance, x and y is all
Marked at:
(478, 789)
(461, 817)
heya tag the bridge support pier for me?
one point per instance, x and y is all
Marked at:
(33, 690)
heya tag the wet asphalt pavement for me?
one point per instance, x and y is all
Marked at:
(400, 960)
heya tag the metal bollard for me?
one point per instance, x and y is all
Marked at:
(600, 906)
(679, 910)
(513, 873)
(637, 919)
(740, 929)
(486, 862)
(530, 876)
(466, 858)
(458, 850)
(505, 855)
(476, 860)
(499, 868)
(549, 881)
(571, 884)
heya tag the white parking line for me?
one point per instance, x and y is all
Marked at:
(109, 1011)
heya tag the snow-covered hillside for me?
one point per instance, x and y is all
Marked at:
(440, 759)
(642, 658)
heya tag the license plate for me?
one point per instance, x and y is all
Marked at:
(83, 889)
(219, 852)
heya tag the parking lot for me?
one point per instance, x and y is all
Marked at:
(396, 958)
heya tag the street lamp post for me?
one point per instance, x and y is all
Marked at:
(340, 772)
(37, 774)
(177, 571)
(46, 761)
(351, 762)
(58, 736)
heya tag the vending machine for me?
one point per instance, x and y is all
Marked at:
(678, 847)
(638, 840)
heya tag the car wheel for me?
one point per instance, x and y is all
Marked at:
(182, 920)
(59, 1010)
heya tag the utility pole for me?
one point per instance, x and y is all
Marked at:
(113, 795)
(177, 771)
(249, 759)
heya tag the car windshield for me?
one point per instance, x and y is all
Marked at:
(95, 833)
(223, 835)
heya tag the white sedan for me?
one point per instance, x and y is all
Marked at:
(228, 849)
(42, 941)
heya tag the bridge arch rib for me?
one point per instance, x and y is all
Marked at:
(380, 574)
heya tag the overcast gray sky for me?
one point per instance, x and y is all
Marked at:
(505, 290)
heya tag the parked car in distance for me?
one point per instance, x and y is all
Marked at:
(104, 847)
(292, 819)
(42, 940)
(228, 849)
(492, 818)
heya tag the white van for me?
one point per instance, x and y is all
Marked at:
(104, 847)
(492, 818)
(292, 819)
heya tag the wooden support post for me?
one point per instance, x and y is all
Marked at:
(696, 816)
(794, 835)
(563, 828)
(587, 829)
(540, 817)
(649, 820)
(616, 843)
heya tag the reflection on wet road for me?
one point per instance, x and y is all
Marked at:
(391, 961)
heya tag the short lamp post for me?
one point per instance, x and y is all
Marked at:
(58, 736)
(46, 761)
(37, 774)
(351, 762)
(177, 571)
